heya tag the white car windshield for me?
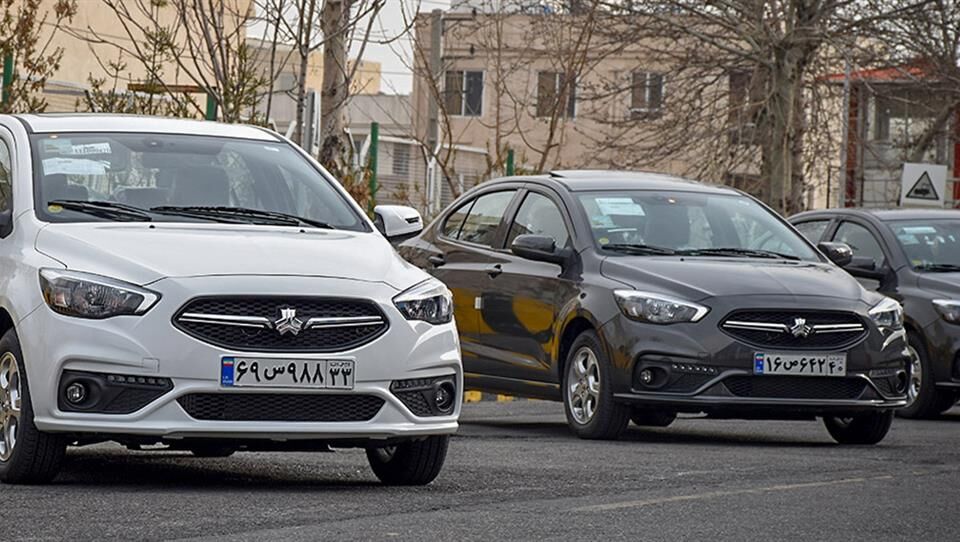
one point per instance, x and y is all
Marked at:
(162, 177)
(690, 223)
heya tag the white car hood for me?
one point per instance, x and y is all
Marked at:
(142, 253)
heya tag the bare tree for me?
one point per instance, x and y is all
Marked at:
(22, 25)
(749, 61)
(204, 40)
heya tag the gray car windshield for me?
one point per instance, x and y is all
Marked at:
(159, 177)
(930, 245)
(648, 222)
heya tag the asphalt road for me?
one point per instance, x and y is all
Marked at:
(514, 472)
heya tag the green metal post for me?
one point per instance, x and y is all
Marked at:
(8, 68)
(372, 161)
(211, 107)
(509, 162)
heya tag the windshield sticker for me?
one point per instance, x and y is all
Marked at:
(601, 221)
(56, 146)
(74, 166)
(919, 230)
(619, 206)
(90, 148)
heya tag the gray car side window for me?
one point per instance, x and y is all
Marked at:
(451, 228)
(538, 215)
(6, 178)
(861, 241)
(483, 220)
(813, 229)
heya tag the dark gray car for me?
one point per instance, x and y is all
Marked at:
(913, 256)
(638, 296)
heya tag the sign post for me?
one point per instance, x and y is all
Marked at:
(923, 185)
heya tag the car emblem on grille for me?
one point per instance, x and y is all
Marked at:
(800, 329)
(288, 322)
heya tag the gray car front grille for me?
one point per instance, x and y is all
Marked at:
(795, 330)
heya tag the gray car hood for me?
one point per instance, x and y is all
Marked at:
(701, 278)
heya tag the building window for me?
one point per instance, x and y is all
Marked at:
(552, 90)
(646, 100)
(401, 159)
(463, 93)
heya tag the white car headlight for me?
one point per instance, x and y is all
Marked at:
(949, 309)
(887, 314)
(429, 301)
(658, 309)
(85, 295)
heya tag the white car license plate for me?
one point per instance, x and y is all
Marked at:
(773, 363)
(286, 373)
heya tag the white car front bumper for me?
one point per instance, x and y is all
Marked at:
(151, 346)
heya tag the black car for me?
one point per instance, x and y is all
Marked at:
(637, 296)
(913, 256)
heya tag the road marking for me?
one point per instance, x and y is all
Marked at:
(715, 494)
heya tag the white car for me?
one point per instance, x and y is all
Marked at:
(210, 288)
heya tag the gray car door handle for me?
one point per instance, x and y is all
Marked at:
(494, 270)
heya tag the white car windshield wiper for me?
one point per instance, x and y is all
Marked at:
(104, 209)
(241, 213)
(737, 252)
(634, 248)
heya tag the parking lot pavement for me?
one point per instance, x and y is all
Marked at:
(515, 472)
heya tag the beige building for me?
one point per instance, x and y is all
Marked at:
(84, 54)
(508, 78)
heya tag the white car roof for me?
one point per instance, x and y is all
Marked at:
(100, 122)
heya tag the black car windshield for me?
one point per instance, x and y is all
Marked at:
(930, 245)
(690, 223)
(117, 176)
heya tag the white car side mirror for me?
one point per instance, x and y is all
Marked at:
(397, 222)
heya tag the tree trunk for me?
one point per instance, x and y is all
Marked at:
(333, 97)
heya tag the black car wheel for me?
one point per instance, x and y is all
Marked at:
(868, 428)
(27, 455)
(652, 418)
(923, 398)
(414, 463)
(587, 394)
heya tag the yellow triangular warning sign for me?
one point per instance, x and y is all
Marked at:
(923, 189)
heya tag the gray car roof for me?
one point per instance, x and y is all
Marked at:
(589, 180)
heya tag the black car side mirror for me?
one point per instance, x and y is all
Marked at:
(539, 248)
(838, 253)
(6, 222)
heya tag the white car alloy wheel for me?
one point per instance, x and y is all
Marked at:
(10, 405)
(583, 385)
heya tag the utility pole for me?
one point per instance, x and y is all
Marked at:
(307, 10)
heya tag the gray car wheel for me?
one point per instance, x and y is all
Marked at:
(588, 400)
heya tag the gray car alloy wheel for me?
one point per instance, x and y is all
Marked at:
(11, 395)
(583, 385)
(916, 375)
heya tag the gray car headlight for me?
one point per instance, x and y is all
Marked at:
(85, 295)
(658, 309)
(949, 309)
(429, 301)
(887, 314)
